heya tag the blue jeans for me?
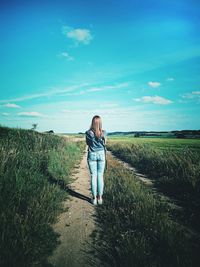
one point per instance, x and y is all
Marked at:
(96, 163)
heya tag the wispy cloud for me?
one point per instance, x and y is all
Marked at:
(105, 87)
(68, 90)
(170, 79)
(50, 92)
(154, 100)
(82, 36)
(98, 89)
(194, 95)
(5, 114)
(109, 105)
(95, 89)
(76, 93)
(154, 84)
(66, 56)
(31, 114)
(11, 105)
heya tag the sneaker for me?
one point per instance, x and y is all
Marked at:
(100, 201)
(94, 201)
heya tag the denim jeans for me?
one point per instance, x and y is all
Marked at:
(96, 163)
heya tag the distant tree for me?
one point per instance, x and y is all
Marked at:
(137, 134)
(50, 132)
(180, 135)
(34, 126)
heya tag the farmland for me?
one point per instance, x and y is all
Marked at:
(32, 165)
(159, 143)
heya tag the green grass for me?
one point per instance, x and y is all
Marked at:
(173, 164)
(136, 229)
(160, 143)
(30, 202)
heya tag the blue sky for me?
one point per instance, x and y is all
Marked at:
(134, 63)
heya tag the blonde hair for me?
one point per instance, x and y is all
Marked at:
(96, 126)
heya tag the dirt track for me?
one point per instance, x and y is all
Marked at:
(75, 225)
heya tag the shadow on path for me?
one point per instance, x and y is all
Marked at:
(77, 195)
(64, 187)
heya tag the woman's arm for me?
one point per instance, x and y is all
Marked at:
(104, 136)
(89, 137)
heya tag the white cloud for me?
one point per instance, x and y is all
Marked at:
(30, 114)
(78, 35)
(154, 100)
(67, 56)
(154, 84)
(11, 105)
(170, 79)
(194, 95)
(5, 114)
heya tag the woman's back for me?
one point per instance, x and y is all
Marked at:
(95, 143)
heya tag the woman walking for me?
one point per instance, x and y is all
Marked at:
(95, 139)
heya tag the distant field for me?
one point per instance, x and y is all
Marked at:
(157, 142)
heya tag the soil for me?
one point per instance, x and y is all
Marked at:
(76, 224)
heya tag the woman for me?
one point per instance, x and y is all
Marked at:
(95, 139)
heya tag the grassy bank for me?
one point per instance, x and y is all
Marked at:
(30, 200)
(176, 170)
(135, 227)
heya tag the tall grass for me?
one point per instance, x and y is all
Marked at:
(29, 203)
(135, 227)
(176, 172)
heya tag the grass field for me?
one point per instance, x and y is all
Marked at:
(136, 227)
(31, 166)
(174, 164)
(160, 143)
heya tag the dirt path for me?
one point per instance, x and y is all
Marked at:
(148, 182)
(140, 176)
(75, 225)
